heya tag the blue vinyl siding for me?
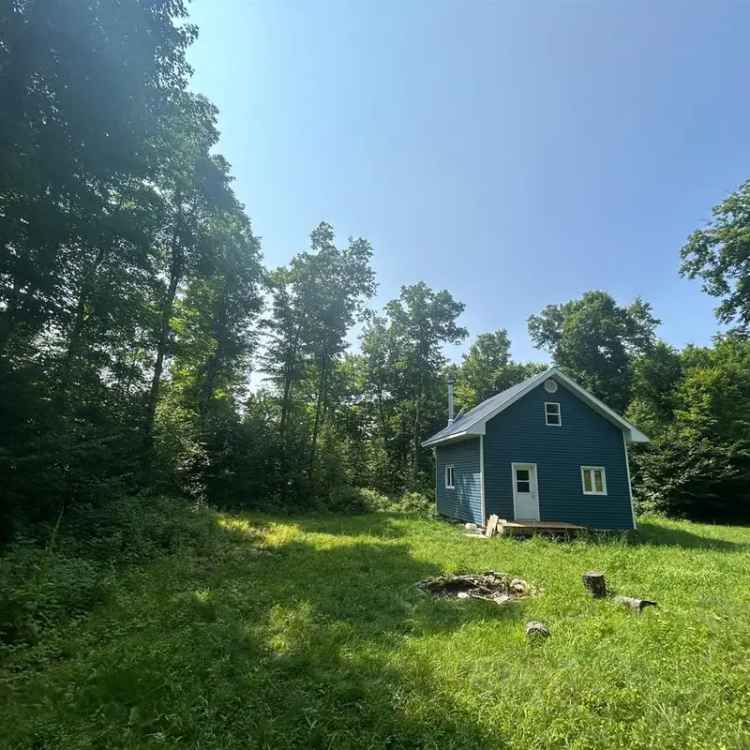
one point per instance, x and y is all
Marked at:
(519, 434)
(465, 501)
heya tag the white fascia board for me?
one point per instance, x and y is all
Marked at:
(632, 433)
(458, 436)
(479, 426)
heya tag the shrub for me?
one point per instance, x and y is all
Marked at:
(416, 502)
(39, 588)
(65, 572)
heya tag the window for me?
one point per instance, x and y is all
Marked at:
(552, 415)
(450, 477)
(594, 480)
(523, 481)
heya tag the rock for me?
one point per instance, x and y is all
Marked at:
(537, 630)
(635, 605)
(470, 526)
(595, 584)
(519, 587)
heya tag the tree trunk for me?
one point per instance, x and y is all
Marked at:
(79, 319)
(176, 269)
(215, 360)
(320, 402)
(417, 433)
(595, 584)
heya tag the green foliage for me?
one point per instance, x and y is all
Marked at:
(403, 357)
(309, 631)
(65, 571)
(719, 255)
(315, 302)
(132, 314)
(122, 247)
(595, 339)
(699, 463)
(488, 369)
(41, 588)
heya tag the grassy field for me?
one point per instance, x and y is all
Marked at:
(309, 632)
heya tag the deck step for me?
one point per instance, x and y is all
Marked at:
(529, 528)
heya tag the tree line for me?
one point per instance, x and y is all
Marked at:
(135, 306)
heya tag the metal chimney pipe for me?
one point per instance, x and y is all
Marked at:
(450, 399)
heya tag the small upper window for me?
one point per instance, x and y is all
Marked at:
(594, 480)
(552, 415)
(450, 477)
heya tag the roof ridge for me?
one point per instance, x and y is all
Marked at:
(496, 403)
(497, 398)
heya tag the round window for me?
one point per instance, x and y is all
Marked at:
(550, 386)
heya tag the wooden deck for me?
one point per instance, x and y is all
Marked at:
(529, 528)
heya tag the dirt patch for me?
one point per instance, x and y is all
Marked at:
(491, 586)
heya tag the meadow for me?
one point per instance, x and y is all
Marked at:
(259, 631)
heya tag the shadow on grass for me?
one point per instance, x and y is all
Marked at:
(659, 535)
(309, 646)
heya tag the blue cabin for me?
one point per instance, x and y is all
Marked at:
(544, 450)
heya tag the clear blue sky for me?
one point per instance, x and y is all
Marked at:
(517, 154)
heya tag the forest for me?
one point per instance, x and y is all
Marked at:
(146, 350)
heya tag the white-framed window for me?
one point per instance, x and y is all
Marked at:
(552, 414)
(594, 480)
(450, 477)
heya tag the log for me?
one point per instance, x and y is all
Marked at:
(536, 630)
(595, 584)
(635, 605)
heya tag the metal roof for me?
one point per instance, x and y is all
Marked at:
(474, 420)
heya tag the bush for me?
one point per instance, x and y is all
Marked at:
(40, 588)
(65, 572)
(134, 529)
(416, 502)
(348, 499)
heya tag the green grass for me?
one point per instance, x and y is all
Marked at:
(309, 632)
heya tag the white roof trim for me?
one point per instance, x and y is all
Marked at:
(632, 432)
(477, 427)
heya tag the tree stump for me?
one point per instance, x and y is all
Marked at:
(536, 630)
(635, 605)
(595, 584)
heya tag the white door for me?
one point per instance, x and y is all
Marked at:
(525, 492)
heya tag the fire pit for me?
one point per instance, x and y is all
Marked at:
(490, 586)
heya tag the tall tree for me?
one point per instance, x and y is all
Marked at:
(595, 340)
(283, 359)
(487, 369)
(66, 147)
(333, 286)
(194, 187)
(88, 91)
(657, 374)
(214, 320)
(315, 301)
(720, 255)
(421, 322)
